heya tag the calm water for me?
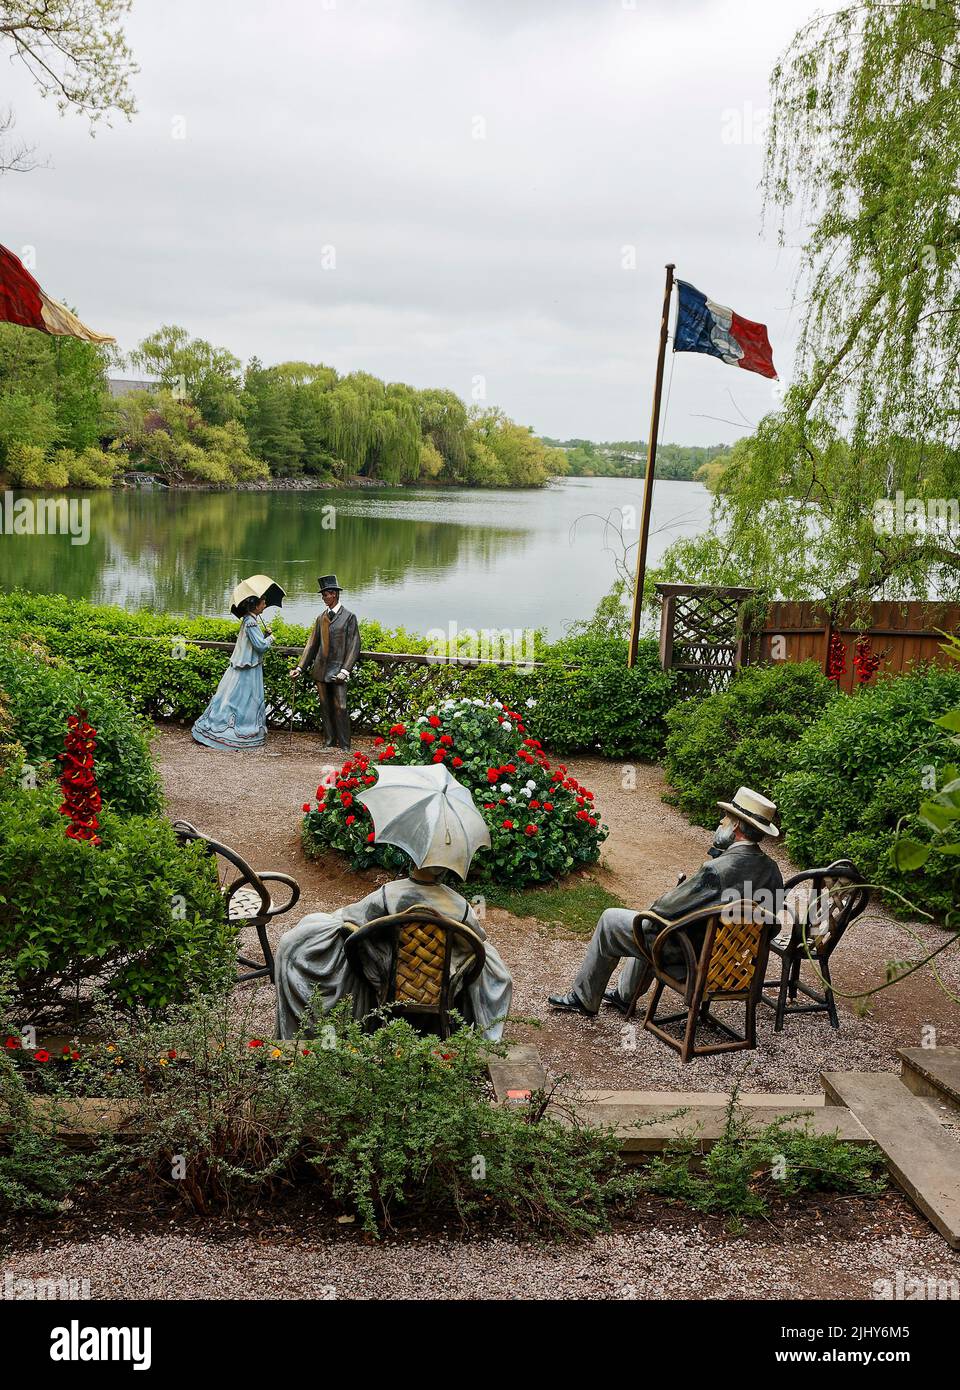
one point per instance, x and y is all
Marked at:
(420, 558)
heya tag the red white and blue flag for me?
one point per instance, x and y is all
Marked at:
(705, 326)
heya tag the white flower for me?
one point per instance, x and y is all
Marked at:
(498, 704)
(531, 703)
(531, 782)
(525, 791)
(431, 709)
(422, 719)
(507, 724)
(506, 787)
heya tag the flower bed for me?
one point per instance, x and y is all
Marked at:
(542, 821)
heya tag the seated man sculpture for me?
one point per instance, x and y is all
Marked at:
(311, 957)
(737, 867)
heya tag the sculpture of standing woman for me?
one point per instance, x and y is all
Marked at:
(236, 717)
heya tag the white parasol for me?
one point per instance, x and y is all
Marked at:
(429, 814)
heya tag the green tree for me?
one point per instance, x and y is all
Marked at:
(863, 152)
(208, 376)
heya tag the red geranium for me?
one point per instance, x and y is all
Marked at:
(81, 795)
(426, 736)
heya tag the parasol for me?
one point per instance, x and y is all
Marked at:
(257, 586)
(427, 813)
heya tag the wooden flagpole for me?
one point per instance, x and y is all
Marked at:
(651, 468)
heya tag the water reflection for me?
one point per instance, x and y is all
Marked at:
(421, 558)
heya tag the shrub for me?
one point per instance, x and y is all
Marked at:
(748, 1165)
(600, 707)
(860, 769)
(746, 735)
(40, 695)
(140, 915)
(385, 1121)
(37, 1170)
(541, 821)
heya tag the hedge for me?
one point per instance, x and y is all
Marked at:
(600, 707)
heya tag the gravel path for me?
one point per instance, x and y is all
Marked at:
(254, 803)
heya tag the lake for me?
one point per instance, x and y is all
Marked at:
(414, 557)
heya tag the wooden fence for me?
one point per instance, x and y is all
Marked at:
(901, 634)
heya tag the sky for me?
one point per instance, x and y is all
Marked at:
(472, 194)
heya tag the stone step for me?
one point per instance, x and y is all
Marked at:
(747, 1100)
(518, 1074)
(933, 1072)
(650, 1128)
(923, 1158)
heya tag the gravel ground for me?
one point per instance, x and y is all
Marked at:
(672, 1259)
(834, 1251)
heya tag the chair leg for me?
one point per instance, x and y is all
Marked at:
(690, 1032)
(643, 984)
(828, 994)
(795, 965)
(782, 995)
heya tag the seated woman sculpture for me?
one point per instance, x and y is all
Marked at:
(311, 957)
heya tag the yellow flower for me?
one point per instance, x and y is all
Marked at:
(277, 1052)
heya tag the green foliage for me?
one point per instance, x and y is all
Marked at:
(167, 436)
(39, 695)
(542, 823)
(575, 904)
(387, 1121)
(601, 707)
(745, 735)
(38, 1171)
(140, 915)
(628, 458)
(861, 770)
(749, 1165)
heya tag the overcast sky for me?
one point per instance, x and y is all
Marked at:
(443, 192)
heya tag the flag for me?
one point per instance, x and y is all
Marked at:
(704, 326)
(22, 301)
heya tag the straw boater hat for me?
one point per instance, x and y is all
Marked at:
(754, 809)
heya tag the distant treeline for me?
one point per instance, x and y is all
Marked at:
(627, 458)
(204, 418)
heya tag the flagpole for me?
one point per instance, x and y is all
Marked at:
(648, 480)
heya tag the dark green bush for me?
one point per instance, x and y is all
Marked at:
(746, 735)
(863, 765)
(602, 707)
(139, 915)
(38, 695)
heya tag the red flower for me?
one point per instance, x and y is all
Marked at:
(398, 729)
(458, 762)
(172, 1054)
(438, 756)
(41, 1056)
(255, 1042)
(350, 820)
(508, 825)
(487, 806)
(426, 736)
(534, 805)
(377, 741)
(530, 830)
(371, 837)
(548, 805)
(446, 740)
(434, 721)
(12, 1043)
(493, 774)
(306, 805)
(511, 767)
(346, 799)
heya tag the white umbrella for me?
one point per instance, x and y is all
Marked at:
(257, 586)
(428, 813)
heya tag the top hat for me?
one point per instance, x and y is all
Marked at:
(328, 581)
(753, 809)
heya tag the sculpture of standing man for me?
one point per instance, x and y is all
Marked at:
(330, 655)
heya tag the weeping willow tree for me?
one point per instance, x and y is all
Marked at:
(849, 490)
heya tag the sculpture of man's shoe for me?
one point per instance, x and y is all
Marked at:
(569, 1004)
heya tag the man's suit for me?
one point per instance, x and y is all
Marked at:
(742, 870)
(333, 646)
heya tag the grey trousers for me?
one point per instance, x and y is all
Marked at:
(333, 712)
(611, 941)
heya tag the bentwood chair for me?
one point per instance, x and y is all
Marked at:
(728, 968)
(431, 958)
(246, 898)
(828, 900)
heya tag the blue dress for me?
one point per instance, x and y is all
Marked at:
(236, 717)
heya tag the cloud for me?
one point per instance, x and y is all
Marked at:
(478, 173)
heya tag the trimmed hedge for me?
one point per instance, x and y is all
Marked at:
(602, 707)
(38, 695)
(746, 735)
(863, 765)
(140, 915)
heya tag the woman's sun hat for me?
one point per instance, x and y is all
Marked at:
(754, 809)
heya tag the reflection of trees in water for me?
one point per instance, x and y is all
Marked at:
(180, 552)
